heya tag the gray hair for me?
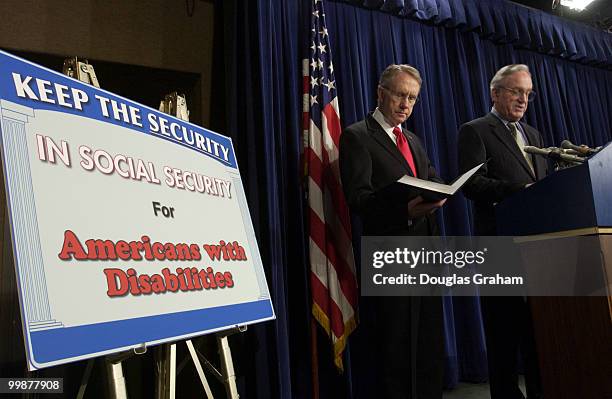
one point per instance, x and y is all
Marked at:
(393, 69)
(507, 71)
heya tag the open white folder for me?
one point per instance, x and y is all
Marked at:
(444, 189)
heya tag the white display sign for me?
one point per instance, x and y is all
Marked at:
(130, 227)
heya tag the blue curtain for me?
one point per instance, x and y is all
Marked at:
(574, 102)
(501, 21)
(457, 46)
(258, 78)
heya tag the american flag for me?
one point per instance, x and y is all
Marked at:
(333, 281)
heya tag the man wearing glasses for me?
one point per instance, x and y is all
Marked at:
(406, 345)
(499, 137)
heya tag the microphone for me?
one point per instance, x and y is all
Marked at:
(582, 149)
(554, 153)
(570, 152)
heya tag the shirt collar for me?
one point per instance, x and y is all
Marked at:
(501, 118)
(380, 118)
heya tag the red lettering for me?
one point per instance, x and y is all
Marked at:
(171, 280)
(121, 283)
(239, 251)
(158, 251)
(219, 280)
(170, 252)
(101, 250)
(213, 251)
(123, 250)
(195, 277)
(204, 279)
(181, 279)
(229, 281)
(147, 247)
(210, 277)
(188, 278)
(145, 285)
(226, 255)
(117, 282)
(195, 252)
(133, 281)
(158, 284)
(136, 247)
(72, 247)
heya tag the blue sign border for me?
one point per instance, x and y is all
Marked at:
(50, 345)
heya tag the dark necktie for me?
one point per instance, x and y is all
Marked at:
(402, 145)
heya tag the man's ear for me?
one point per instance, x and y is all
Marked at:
(494, 94)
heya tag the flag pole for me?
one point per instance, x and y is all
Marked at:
(314, 358)
(314, 348)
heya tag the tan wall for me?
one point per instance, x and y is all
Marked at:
(152, 33)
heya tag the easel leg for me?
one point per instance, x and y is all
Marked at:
(116, 380)
(166, 372)
(228, 367)
(198, 366)
(85, 379)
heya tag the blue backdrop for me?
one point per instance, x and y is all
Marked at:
(457, 46)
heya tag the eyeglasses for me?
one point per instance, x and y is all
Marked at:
(520, 93)
(401, 96)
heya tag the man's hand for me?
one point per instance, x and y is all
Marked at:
(417, 207)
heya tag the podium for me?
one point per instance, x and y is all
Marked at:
(573, 334)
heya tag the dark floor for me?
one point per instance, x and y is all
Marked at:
(474, 391)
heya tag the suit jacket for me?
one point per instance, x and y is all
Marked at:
(369, 162)
(506, 171)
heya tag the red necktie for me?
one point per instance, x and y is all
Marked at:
(402, 145)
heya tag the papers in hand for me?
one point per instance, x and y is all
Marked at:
(444, 190)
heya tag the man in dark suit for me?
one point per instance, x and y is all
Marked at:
(406, 346)
(499, 137)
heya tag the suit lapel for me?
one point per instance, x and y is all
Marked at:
(382, 138)
(420, 159)
(503, 134)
